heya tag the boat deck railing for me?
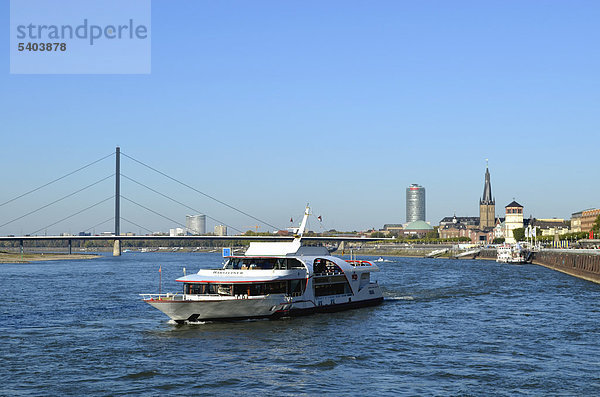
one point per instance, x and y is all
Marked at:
(359, 263)
(326, 274)
(163, 297)
(186, 297)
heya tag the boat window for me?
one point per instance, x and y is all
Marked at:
(276, 288)
(225, 289)
(294, 264)
(324, 266)
(263, 263)
(332, 289)
(254, 289)
(198, 289)
(293, 287)
(296, 287)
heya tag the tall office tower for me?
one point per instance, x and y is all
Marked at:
(487, 204)
(195, 224)
(415, 203)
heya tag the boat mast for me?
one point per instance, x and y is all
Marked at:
(303, 224)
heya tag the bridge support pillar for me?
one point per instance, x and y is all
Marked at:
(70, 248)
(117, 248)
(21, 245)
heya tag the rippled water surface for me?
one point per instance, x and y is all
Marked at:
(446, 327)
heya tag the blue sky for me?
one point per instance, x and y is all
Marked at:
(268, 105)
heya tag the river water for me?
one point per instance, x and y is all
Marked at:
(447, 327)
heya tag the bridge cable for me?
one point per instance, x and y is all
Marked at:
(154, 212)
(135, 224)
(56, 180)
(202, 193)
(56, 201)
(77, 213)
(180, 203)
(101, 223)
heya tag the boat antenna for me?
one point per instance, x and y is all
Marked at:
(159, 280)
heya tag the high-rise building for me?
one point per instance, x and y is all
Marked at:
(415, 203)
(487, 205)
(220, 230)
(195, 224)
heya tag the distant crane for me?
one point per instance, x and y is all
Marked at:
(256, 227)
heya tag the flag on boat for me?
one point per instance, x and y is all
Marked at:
(291, 220)
(320, 219)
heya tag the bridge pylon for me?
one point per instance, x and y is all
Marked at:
(117, 246)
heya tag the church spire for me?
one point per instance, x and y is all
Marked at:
(487, 204)
(487, 198)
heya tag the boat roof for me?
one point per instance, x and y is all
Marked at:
(241, 276)
(293, 248)
(264, 275)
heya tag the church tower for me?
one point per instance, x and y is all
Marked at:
(487, 204)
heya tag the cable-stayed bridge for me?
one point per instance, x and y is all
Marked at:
(117, 217)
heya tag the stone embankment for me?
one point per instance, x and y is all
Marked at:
(582, 263)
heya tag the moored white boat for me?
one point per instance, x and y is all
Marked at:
(511, 253)
(272, 280)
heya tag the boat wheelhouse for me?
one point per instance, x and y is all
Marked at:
(272, 280)
(512, 253)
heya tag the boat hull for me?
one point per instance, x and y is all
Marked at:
(331, 308)
(190, 311)
(214, 309)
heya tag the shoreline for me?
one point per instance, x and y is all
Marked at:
(9, 257)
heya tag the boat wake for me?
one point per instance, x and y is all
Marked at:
(400, 298)
(173, 322)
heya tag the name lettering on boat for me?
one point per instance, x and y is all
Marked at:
(227, 272)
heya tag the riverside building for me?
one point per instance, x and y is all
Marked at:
(220, 230)
(576, 221)
(415, 203)
(588, 217)
(514, 220)
(195, 224)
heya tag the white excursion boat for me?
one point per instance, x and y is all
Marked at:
(511, 253)
(272, 280)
